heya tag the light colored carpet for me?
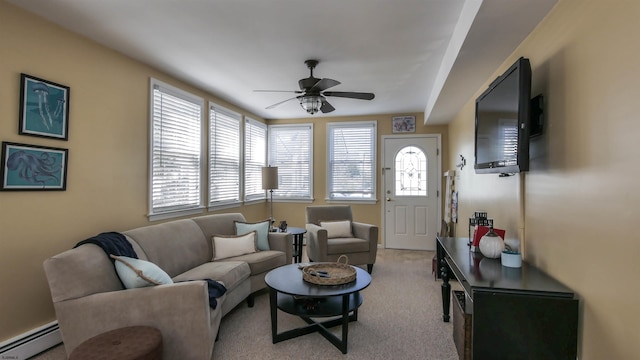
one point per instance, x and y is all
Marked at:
(400, 318)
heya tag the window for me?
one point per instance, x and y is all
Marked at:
(255, 157)
(290, 150)
(176, 128)
(411, 172)
(224, 156)
(351, 161)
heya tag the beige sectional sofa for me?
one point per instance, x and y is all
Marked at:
(89, 298)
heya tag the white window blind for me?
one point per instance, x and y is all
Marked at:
(176, 175)
(224, 156)
(290, 150)
(255, 157)
(351, 160)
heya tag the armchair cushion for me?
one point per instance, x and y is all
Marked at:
(337, 229)
(261, 228)
(338, 246)
(136, 273)
(225, 246)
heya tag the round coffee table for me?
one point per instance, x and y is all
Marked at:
(291, 294)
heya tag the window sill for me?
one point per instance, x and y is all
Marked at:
(351, 201)
(293, 200)
(223, 206)
(174, 214)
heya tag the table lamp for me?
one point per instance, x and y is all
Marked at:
(270, 182)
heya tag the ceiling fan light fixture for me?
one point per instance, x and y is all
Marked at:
(313, 92)
(311, 103)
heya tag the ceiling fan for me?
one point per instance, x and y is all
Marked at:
(313, 90)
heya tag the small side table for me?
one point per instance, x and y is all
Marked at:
(298, 235)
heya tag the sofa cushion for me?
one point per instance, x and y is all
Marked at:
(218, 224)
(261, 228)
(262, 261)
(135, 273)
(337, 229)
(225, 246)
(346, 245)
(175, 246)
(230, 273)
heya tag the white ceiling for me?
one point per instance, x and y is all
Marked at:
(415, 55)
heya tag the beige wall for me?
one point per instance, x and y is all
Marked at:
(294, 213)
(579, 201)
(108, 151)
(107, 170)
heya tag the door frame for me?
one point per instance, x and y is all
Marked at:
(383, 188)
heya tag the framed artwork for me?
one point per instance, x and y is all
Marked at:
(403, 124)
(44, 108)
(30, 167)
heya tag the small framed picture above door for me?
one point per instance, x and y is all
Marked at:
(403, 124)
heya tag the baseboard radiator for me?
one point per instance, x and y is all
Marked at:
(31, 343)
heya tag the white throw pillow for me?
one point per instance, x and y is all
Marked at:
(337, 229)
(229, 246)
(135, 273)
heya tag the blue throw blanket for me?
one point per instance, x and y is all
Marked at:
(215, 290)
(114, 243)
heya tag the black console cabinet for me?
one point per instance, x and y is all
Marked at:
(516, 313)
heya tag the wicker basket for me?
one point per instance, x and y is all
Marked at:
(337, 273)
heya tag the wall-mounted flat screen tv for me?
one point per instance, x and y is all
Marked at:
(502, 122)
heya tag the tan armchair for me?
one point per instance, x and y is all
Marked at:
(358, 241)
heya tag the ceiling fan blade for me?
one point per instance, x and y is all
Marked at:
(324, 84)
(280, 103)
(326, 107)
(286, 91)
(349, 94)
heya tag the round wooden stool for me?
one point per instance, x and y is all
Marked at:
(129, 343)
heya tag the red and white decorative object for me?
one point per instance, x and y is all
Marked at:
(491, 245)
(479, 232)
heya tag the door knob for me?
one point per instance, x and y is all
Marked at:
(388, 199)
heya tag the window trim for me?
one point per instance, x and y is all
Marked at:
(281, 198)
(179, 211)
(374, 198)
(225, 204)
(254, 198)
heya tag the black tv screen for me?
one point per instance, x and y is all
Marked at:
(502, 122)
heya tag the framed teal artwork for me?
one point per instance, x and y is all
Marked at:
(30, 167)
(44, 108)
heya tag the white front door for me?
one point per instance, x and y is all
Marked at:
(411, 188)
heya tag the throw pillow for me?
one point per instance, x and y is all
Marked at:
(337, 229)
(262, 232)
(136, 273)
(225, 246)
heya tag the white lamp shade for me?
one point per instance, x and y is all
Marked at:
(269, 177)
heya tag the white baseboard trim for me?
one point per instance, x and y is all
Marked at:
(31, 343)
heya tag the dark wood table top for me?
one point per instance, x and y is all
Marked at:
(482, 273)
(287, 279)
